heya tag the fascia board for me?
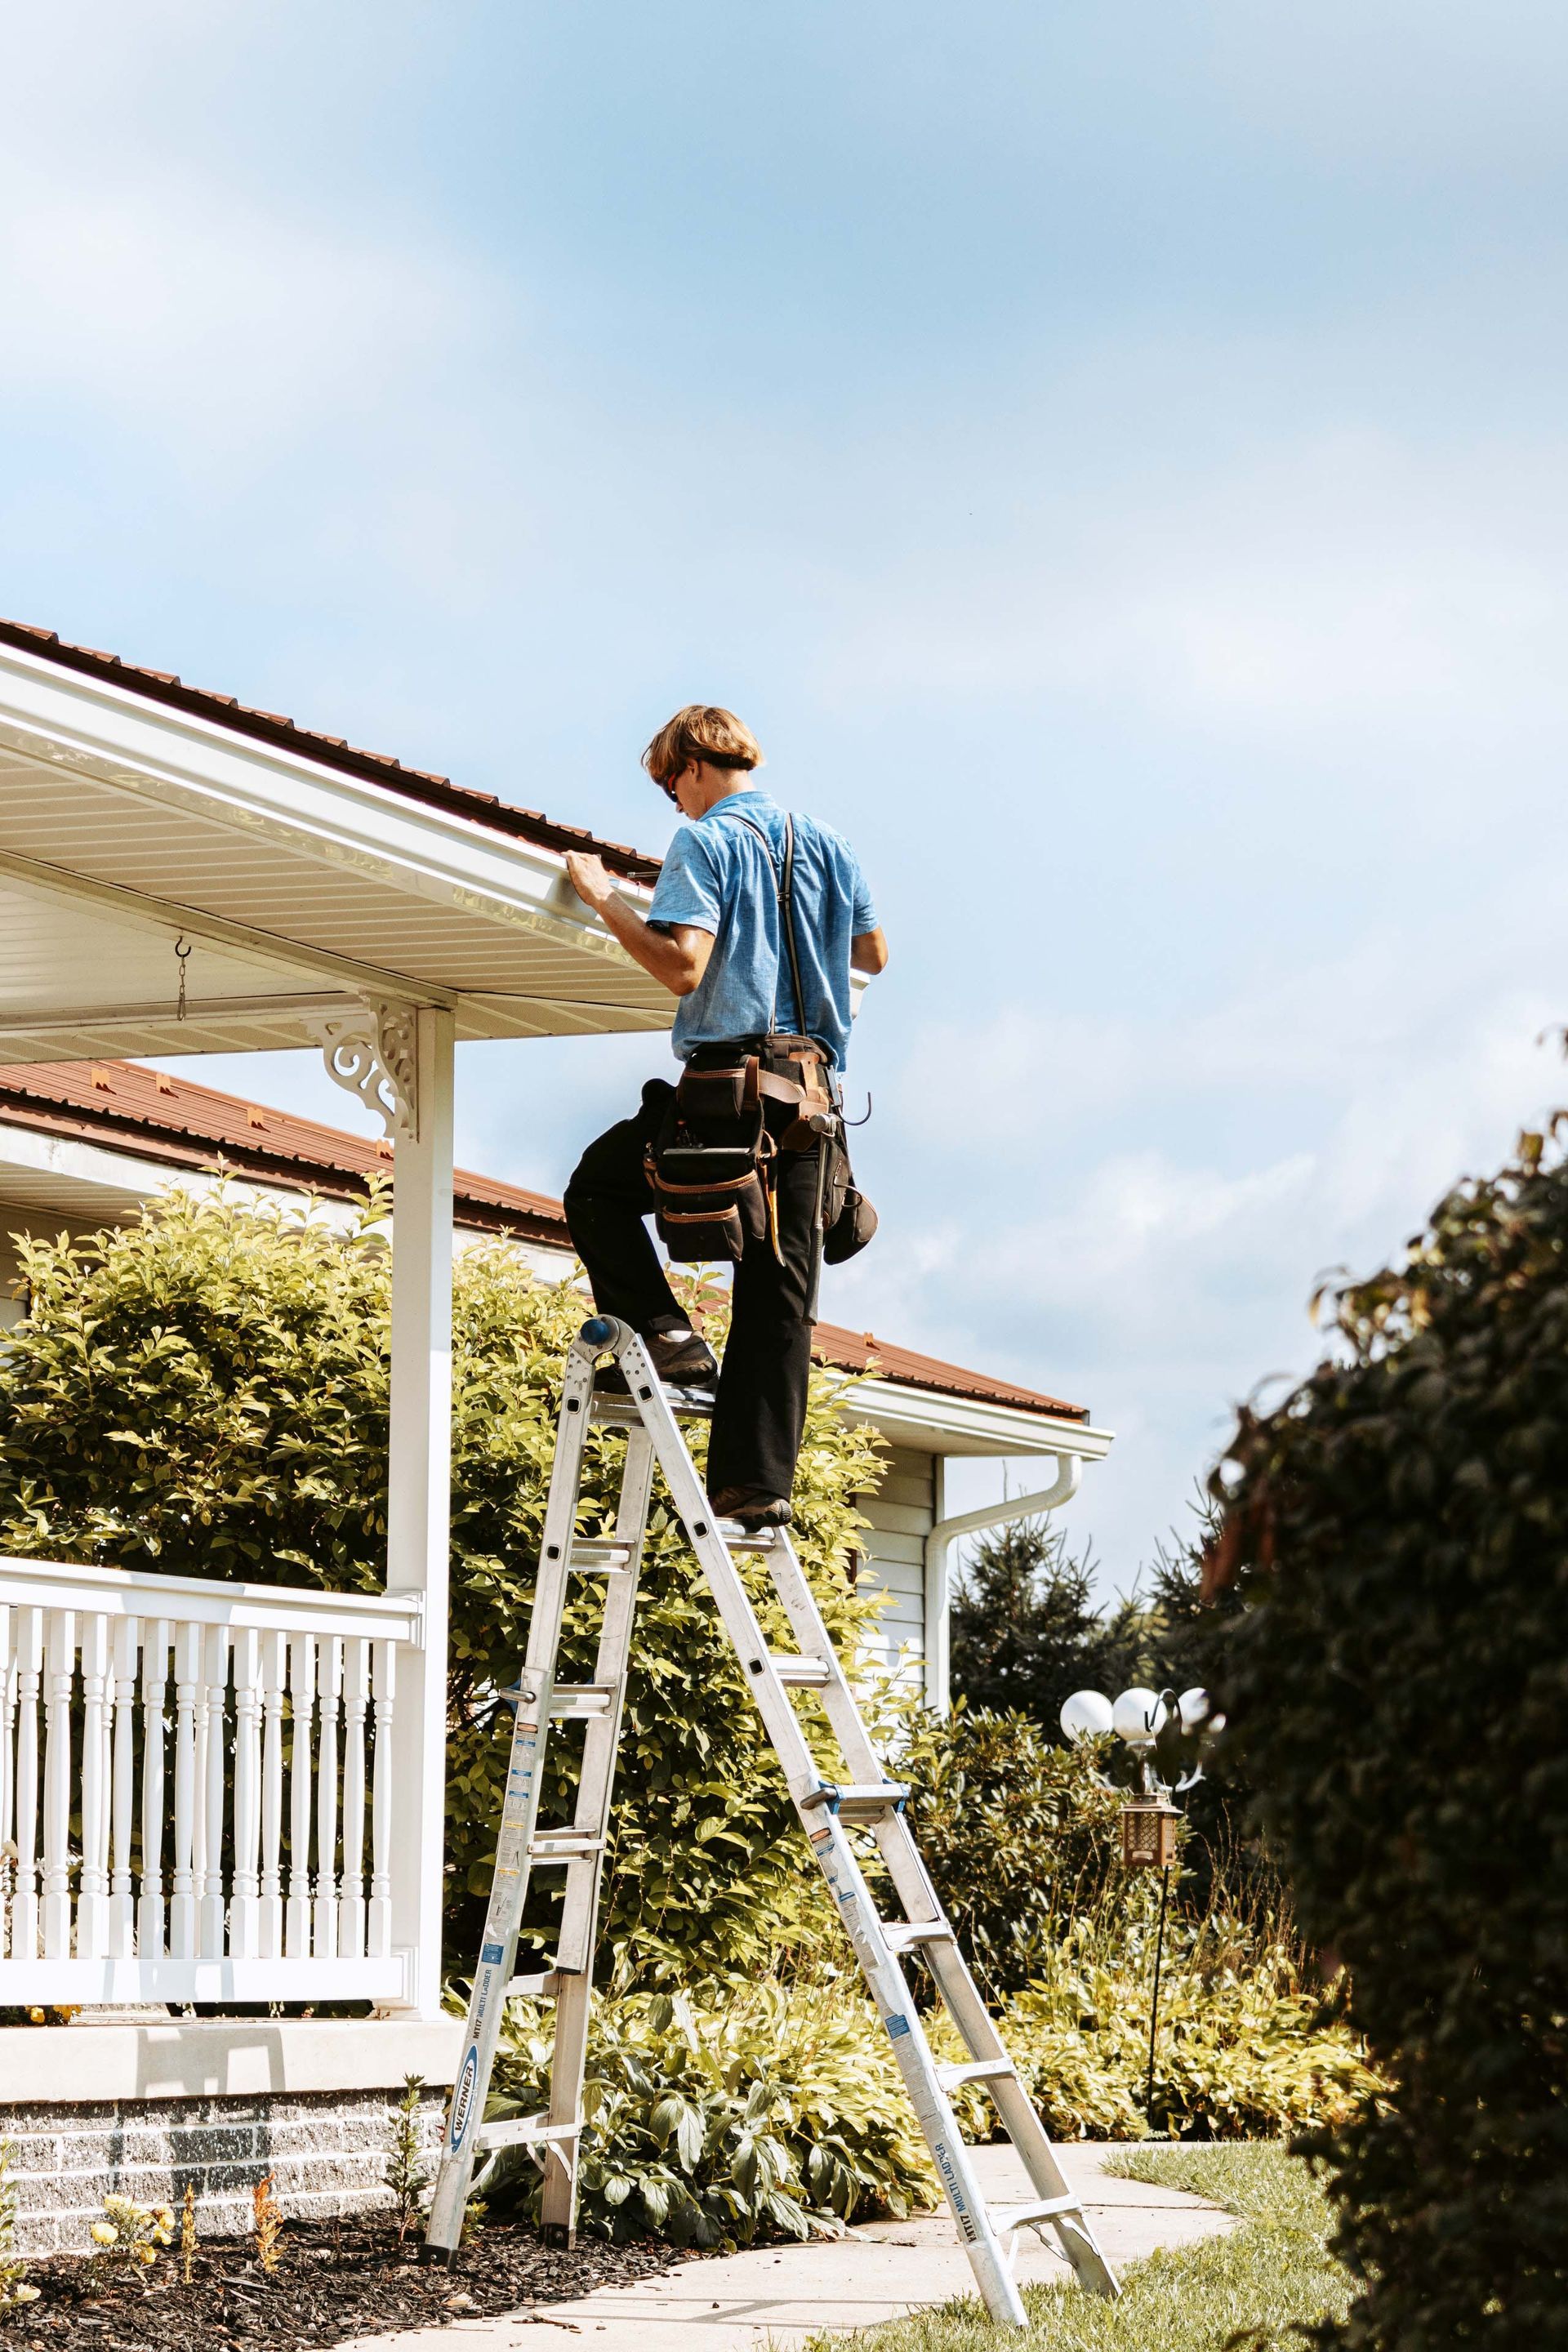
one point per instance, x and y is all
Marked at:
(63, 720)
(103, 1169)
(951, 1425)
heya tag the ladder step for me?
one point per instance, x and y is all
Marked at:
(801, 1673)
(738, 1538)
(548, 1986)
(589, 1555)
(867, 1802)
(1020, 2217)
(983, 2070)
(570, 1702)
(901, 1934)
(523, 2131)
(687, 1404)
(563, 1845)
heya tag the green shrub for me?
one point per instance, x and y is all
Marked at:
(1018, 1833)
(1242, 2048)
(741, 2109)
(1398, 1688)
(747, 2109)
(205, 1393)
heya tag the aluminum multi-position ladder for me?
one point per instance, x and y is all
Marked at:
(827, 1809)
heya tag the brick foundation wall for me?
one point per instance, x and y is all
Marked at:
(326, 2151)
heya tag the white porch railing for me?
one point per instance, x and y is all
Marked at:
(201, 1789)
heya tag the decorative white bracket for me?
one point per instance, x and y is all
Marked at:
(373, 1053)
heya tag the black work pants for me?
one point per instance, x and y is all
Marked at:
(761, 1408)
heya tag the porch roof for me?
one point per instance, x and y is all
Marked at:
(306, 877)
(171, 1118)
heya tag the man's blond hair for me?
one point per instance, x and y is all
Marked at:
(702, 731)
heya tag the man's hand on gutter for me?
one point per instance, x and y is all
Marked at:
(676, 958)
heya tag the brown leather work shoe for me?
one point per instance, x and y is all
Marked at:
(680, 1359)
(752, 1506)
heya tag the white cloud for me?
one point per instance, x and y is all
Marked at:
(1152, 1200)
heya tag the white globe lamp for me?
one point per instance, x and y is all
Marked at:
(1085, 1715)
(1194, 1708)
(1139, 1717)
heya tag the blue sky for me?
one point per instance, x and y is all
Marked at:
(1112, 455)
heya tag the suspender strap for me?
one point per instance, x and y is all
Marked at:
(785, 882)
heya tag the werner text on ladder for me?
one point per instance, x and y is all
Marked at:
(756, 922)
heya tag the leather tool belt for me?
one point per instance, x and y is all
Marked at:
(712, 1165)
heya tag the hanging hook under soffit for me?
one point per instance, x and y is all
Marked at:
(182, 947)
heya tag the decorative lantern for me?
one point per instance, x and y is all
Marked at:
(1149, 1833)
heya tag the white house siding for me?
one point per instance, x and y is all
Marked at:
(903, 1514)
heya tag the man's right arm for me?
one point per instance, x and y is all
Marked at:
(676, 956)
(868, 951)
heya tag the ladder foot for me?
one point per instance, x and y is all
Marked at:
(440, 2258)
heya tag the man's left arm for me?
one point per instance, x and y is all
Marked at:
(677, 957)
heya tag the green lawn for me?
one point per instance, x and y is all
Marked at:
(1192, 2299)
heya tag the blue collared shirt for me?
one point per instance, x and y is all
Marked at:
(719, 877)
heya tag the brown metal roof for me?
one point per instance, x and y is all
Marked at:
(330, 750)
(166, 1118)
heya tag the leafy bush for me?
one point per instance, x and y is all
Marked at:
(1242, 2051)
(1398, 1688)
(742, 2108)
(746, 2110)
(205, 1393)
(1018, 1833)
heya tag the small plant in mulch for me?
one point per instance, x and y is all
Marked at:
(187, 2232)
(17, 2290)
(407, 2174)
(267, 2227)
(129, 2233)
(331, 2282)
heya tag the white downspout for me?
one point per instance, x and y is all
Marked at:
(938, 1558)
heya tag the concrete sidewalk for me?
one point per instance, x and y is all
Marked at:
(781, 2294)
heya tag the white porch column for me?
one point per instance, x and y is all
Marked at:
(420, 1501)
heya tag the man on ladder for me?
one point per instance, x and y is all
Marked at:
(757, 920)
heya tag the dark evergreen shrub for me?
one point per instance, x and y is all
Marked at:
(1398, 1691)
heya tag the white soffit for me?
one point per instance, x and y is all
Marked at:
(124, 822)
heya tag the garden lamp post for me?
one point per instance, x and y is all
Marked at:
(1149, 1819)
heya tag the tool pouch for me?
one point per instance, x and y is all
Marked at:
(849, 1220)
(719, 1097)
(710, 1199)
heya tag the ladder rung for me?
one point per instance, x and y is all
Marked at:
(570, 1700)
(591, 1555)
(563, 1845)
(548, 1986)
(852, 1802)
(687, 1404)
(801, 1673)
(523, 2131)
(902, 1933)
(737, 1538)
(983, 2070)
(1020, 2217)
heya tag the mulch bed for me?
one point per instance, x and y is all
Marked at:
(335, 2279)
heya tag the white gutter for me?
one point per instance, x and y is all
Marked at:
(937, 1564)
